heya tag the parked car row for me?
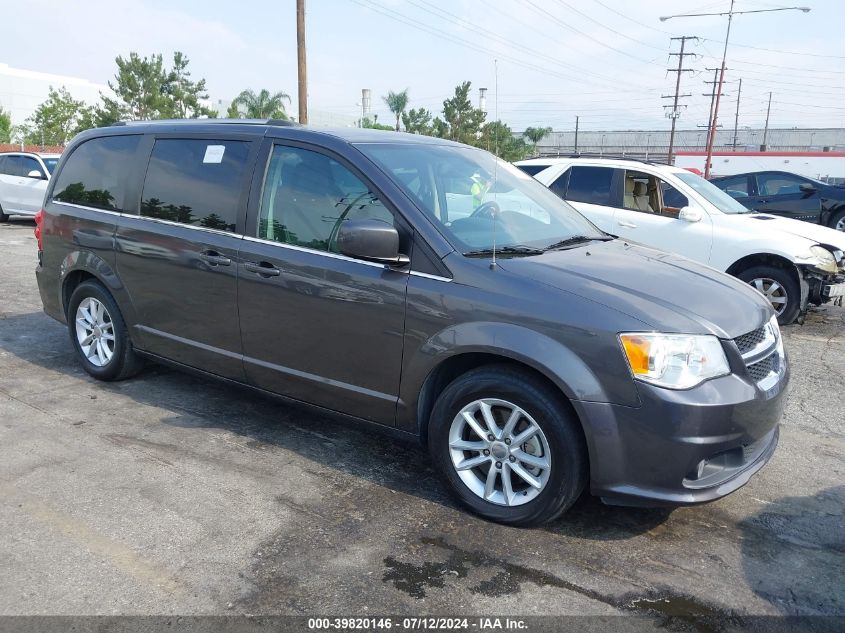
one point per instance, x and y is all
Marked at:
(435, 291)
(794, 264)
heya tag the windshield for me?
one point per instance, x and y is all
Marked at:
(710, 192)
(480, 200)
(50, 164)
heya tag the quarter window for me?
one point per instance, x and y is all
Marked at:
(196, 182)
(735, 187)
(590, 184)
(307, 196)
(95, 174)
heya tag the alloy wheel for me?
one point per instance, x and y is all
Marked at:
(773, 291)
(840, 225)
(499, 452)
(95, 332)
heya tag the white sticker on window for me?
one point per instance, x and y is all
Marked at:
(214, 154)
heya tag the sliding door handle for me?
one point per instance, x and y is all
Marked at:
(213, 258)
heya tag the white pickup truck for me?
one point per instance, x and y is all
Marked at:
(792, 263)
(23, 181)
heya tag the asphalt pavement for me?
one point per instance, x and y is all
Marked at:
(168, 494)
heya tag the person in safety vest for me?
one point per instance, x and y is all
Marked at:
(478, 189)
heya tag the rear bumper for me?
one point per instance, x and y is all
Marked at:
(682, 447)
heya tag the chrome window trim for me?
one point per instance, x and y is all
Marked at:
(430, 276)
(86, 208)
(305, 249)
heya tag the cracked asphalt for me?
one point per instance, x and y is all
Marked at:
(167, 494)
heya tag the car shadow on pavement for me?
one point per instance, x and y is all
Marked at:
(269, 424)
(804, 537)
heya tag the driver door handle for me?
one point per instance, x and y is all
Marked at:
(265, 269)
(629, 225)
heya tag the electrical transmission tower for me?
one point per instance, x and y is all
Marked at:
(675, 112)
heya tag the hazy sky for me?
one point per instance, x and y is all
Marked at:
(604, 60)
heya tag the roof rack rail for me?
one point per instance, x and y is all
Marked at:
(280, 122)
(633, 158)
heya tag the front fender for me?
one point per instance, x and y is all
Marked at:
(563, 367)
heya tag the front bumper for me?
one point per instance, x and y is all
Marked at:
(683, 447)
(831, 291)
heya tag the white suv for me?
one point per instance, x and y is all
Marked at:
(793, 263)
(23, 181)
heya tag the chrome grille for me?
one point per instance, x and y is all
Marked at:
(748, 342)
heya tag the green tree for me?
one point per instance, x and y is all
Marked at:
(374, 124)
(462, 122)
(536, 134)
(5, 126)
(183, 93)
(233, 112)
(262, 105)
(56, 120)
(417, 121)
(397, 102)
(141, 88)
(497, 137)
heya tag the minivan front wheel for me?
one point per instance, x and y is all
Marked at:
(99, 334)
(508, 447)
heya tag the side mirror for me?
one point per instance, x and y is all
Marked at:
(372, 240)
(35, 174)
(806, 187)
(690, 214)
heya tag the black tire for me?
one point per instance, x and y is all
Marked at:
(836, 218)
(124, 362)
(568, 474)
(3, 216)
(786, 280)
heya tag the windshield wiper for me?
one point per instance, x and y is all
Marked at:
(515, 249)
(576, 239)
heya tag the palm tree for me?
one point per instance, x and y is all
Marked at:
(263, 105)
(536, 134)
(397, 102)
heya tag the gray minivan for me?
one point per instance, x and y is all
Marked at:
(420, 285)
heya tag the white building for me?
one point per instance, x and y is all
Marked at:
(22, 91)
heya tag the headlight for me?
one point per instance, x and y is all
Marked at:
(824, 259)
(675, 361)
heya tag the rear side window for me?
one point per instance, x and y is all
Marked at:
(590, 184)
(97, 172)
(195, 181)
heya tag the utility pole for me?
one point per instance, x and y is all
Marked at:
(730, 13)
(712, 95)
(675, 113)
(576, 134)
(736, 117)
(766, 129)
(300, 57)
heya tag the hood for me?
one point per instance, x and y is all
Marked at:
(817, 233)
(668, 292)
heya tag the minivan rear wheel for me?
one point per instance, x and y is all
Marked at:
(509, 447)
(779, 287)
(99, 334)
